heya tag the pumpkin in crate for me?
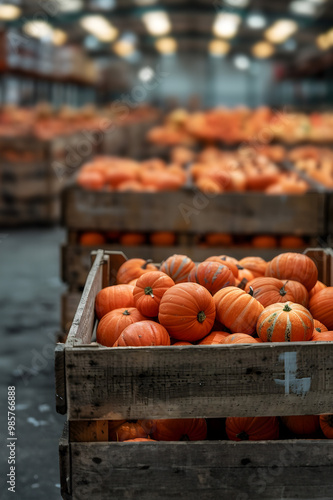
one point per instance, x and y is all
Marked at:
(256, 265)
(187, 311)
(149, 290)
(293, 266)
(181, 343)
(252, 428)
(218, 239)
(285, 322)
(292, 242)
(143, 333)
(178, 267)
(214, 338)
(321, 306)
(264, 241)
(241, 338)
(92, 239)
(244, 274)
(162, 239)
(319, 327)
(326, 425)
(302, 424)
(179, 429)
(225, 261)
(133, 269)
(91, 180)
(324, 336)
(113, 297)
(237, 310)
(212, 275)
(317, 288)
(113, 323)
(271, 290)
(128, 431)
(132, 239)
(136, 440)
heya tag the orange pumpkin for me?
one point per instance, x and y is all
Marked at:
(212, 276)
(91, 180)
(317, 288)
(179, 429)
(237, 310)
(321, 306)
(302, 424)
(187, 311)
(134, 268)
(256, 265)
(214, 338)
(285, 322)
(136, 440)
(225, 261)
(218, 239)
(181, 343)
(128, 431)
(293, 266)
(322, 336)
(162, 239)
(264, 242)
(292, 242)
(318, 326)
(271, 290)
(252, 428)
(114, 322)
(244, 274)
(178, 267)
(143, 333)
(241, 338)
(326, 425)
(113, 297)
(149, 291)
(92, 239)
(132, 239)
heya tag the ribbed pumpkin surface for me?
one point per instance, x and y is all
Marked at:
(286, 322)
(321, 307)
(178, 267)
(114, 322)
(212, 275)
(252, 428)
(293, 266)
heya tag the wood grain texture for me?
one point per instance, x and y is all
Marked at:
(83, 323)
(323, 259)
(69, 304)
(191, 210)
(207, 470)
(65, 465)
(199, 381)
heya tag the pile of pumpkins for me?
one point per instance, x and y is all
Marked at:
(218, 301)
(316, 162)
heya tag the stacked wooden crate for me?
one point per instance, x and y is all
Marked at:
(95, 384)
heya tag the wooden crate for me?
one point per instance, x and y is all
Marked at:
(76, 259)
(193, 212)
(69, 304)
(95, 384)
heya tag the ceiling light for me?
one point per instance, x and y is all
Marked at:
(281, 30)
(9, 12)
(218, 48)
(38, 29)
(166, 45)
(241, 62)
(146, 74)
(303, 8)
(157, 23)
(59, 37)
(237, 3)
(123, 48)
(69, 5)
(262, 50)
(226, 25)
(256, 21)
(325, 40)
(99, 27)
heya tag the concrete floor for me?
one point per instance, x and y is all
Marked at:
(30, 289)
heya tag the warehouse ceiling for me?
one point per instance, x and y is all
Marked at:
(292, 31)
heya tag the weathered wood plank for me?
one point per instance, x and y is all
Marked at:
(65, 465)
(323, 259)
(88, 430)
(193, 211)
(60, 379)
(206, 470)
(82, 327)
(199, 381)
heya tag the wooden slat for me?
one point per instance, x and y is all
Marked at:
(82, 327)
(199, 381)
(323, 259)
(60, 379)
(190, 210)
(65, 464)
(69, 304)
(205, 470)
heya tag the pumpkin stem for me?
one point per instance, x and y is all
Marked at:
(250, 292)
(287, 308)
(149, 291)
(184, 438)
(283, 290)
(201, 316)
(242, 284)
(239, 267)
(126, 313)
(318, 329)
(148, 261)
(243, 436)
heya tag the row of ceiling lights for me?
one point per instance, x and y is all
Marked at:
(158, 24)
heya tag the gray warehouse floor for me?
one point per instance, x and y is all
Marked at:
(30, 289)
